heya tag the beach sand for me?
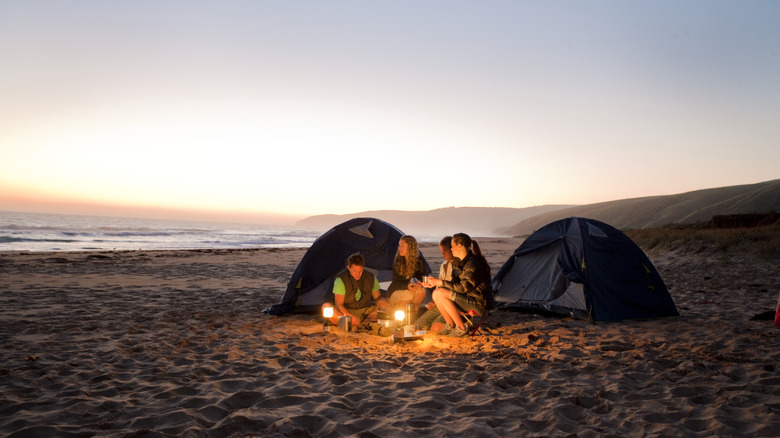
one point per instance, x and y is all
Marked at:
(174, 343)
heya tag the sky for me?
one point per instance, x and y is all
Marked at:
(278, 110)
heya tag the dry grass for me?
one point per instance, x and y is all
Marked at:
(763, 242)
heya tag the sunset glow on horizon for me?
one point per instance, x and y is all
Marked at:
(291, 109)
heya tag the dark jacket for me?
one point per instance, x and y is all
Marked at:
(471, 277)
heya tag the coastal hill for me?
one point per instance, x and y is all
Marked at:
(656, 211)
(477, 221)
(634, 213)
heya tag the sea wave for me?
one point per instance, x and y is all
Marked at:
(10, 239)
(51, 232)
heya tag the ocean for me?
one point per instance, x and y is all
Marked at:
(59, 232)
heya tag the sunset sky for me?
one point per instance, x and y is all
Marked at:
(300, 108)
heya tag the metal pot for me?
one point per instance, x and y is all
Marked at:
(386, 322)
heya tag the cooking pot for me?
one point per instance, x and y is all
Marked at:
(384, 319)
(386, 322)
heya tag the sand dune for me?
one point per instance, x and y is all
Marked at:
(173, 343)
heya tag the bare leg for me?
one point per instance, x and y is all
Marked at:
(447, 308)
(401, 298)
(439, 296)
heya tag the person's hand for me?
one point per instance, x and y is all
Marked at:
(430, 305)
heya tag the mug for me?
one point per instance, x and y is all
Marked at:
(345, 323)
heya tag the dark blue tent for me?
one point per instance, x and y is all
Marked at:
(586, 269)
(313, 279)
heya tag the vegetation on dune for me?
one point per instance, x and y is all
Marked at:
(763, 241)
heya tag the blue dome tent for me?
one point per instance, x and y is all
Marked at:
(313, 279)
(583, 268)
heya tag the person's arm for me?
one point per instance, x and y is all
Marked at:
(376, 294)
(420, 271)
(447, 284)
(339, 292)
(469, 278)
(340, 304)
(414, 284)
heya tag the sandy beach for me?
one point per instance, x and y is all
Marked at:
(174, 343)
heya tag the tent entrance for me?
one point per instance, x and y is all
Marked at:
(540, 283)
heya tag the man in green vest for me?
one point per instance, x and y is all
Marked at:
(354, 289)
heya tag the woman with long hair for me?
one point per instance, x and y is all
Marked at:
(407, 266)
(469, 288)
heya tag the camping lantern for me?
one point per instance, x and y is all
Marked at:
(327, 313)
(399, 315)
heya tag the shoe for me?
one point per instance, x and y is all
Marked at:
(458, 332)
(446, 330)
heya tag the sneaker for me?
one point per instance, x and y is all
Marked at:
(446, 330)
(458, 332)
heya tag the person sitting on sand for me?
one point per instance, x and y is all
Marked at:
(432, 316)
(469, 288)
(353, 291)
(408, 267)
